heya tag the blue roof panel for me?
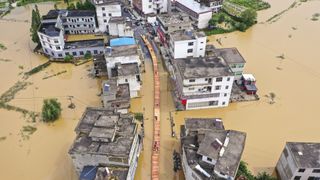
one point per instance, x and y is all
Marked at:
(122, 42)
(88, 173)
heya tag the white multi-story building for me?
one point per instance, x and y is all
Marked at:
(105, 9)
(106, 141)
(187, 43)
(118, 26)
(151, 6)
(199, 10)
(216, 155)
(299, 161)
(123, 63)
(204, 82)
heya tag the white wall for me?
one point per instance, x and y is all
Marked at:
(53, 45)
(104, 12)
(203, 20)
(120, 29)
(134, 84)
(111, 61)
(148, 7)
(180, 48)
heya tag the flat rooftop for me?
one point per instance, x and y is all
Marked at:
(52, 14)
(305, 154)
(203, 123)
(121, 91)
(106, 2)
(230, 55)
(103, 132)
(223, 146)
(174, 18)
(183, 35)
(49, 29)
(119, 173)
(125, 69)
(118, 51)
(80, 13)
(209, 66)
(122, 41)
(84, 44)
(194, 6)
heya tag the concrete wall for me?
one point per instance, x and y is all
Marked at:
(237, 70)
(148, 7)
(104, 12)
(179, 49)
(52, 46)
(203, 20)
(78, 52)
(134, 84)
(189, 174)
(120, 29)
(111, 61)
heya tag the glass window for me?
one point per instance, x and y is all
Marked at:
(297, 178)
(192, 80)
(316, 171)
(227, 87)
(228, 79)
(217, 87)
(103, 8)
(190, 50)
(301, 170)
(219, 79)
(190, 44)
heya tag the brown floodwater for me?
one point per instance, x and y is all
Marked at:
(295, 80)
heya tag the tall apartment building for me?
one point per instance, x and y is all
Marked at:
(200, 83)
(187, 43)
(105, 9)
(151, 6)
(79, 22)
(299, 161)
(107, 143)
(168, 23)
(209, 151)
(199, 10)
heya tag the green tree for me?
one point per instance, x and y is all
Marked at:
(221, 18)
(264, 176)
(249, 17)
(68, 58)
(138, 116)
(35, 23)
(212, 22)
(88, 5)
(71, 7)
(66, 1)
(55, 6)
(79, 5)
(87, 55)
(51, 110)
(244, 171)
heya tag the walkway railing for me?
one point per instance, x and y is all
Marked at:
(155, 168)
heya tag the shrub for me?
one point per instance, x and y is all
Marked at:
(138, 116)
(51, 110)
(87, 55)
(68, 58)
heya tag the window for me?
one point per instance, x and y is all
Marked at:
(190, 50)
(67, 53)
(50, 46)
(227, 87)
(46, 50)
(219, 79)
(104, 14)
(126, 80)
(213, 103)
(150, 0)
(202, 42)
(103, 8)
(216, 94)
(81, 53)
(297, 178)
(217, 87)
(60, 55)
(149, 6)
(225, 94)
(41, 37)
(105, 20)
(192, 80)
(52, 53)
(110, 14)
(74, 53)
(190, 44)
(223, 103)
(313, 178)
(201, 49)
(191, 89)
(209, 159)
(228, 79)
(316, 171)
(58, 47)
(301, 170)
(95, 52)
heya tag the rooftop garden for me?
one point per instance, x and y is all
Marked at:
(236, 15)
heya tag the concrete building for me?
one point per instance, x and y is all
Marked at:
(99, 66)
(123, 63)
(168, 23)
(232, 57)
(58, 23)
(129, 74)
(187, 43)
(105, 9)
(200, 83)
(209, 151)
(200, 14)
(115, 96)
(106, 141)
(118, 26)
(147, 7)
(299, 161)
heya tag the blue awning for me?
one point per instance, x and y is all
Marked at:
(251, 87)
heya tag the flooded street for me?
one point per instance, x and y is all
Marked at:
(295, 80)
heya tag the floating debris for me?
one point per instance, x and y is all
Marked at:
(5, 60)
(315, 17)
(2, 47)
(3, 138)
(281, 56)
(57, 74)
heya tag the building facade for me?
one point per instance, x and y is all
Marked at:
(79, 22)
(151, 6)
(169, 23)
(299, 161)
(107, 140)
(209, 151)
(105, 9)
(187, 43)
(202, 82)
